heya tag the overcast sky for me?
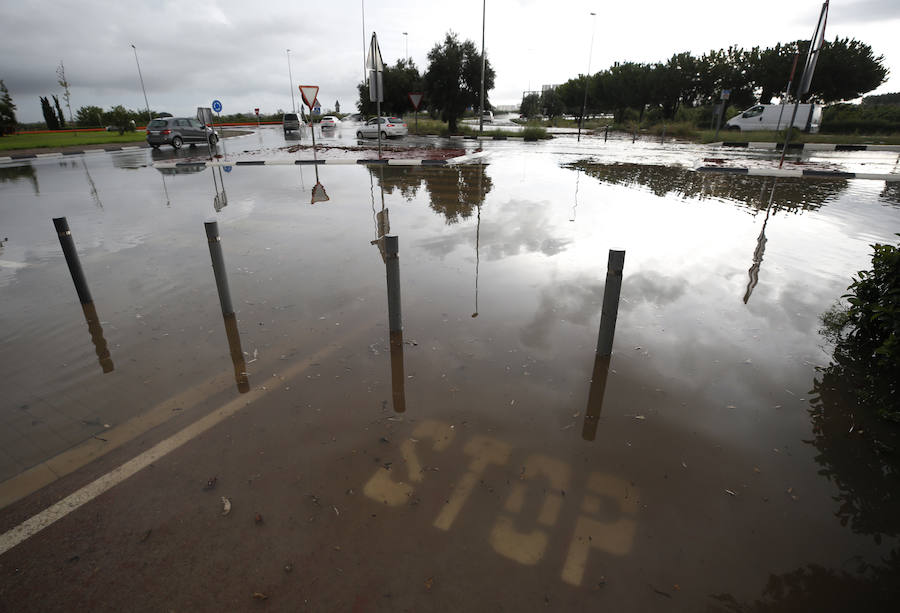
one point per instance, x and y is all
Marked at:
(194, 51)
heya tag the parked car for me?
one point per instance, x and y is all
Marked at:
(177, 131)
(329, 121)
(388, 126)
(487, 117)
(775, 117)
(290, 121)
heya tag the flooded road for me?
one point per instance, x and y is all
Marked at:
(481, 458)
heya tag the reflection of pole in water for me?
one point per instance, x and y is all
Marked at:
(395, 322)
(478, 236)
(575, 207)
(760, 249)
(595, 397)
(220, 200)
(382, 219)
(603, 355)
(84, 294)
(94, 194)
(231, 329)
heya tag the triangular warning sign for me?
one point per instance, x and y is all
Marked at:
(309, 94)
(416, 99)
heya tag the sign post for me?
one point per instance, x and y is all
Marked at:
(256, 110)
(217, 107)
(375, 67)
(416, 99)
(309, 93)
(726, 93)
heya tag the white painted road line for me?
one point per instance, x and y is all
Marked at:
(89, 492)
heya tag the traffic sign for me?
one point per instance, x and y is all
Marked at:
(226, 168)
(217, 106)
(318, 194)
(416, 99)
(309, 94)
(256, 111)
(317, 110)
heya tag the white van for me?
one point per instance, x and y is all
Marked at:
(766, 117)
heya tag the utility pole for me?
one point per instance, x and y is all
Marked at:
(142, 83)
(481, 105)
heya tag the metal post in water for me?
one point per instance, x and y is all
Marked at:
(84, 294)
(218, 264)
(392, 266)
(398, 380)
(595, 397)
(606, 133)
(610, 302)
(230, 320)
(68, 247)
(663, 137)
(395, 321)
(96, 331)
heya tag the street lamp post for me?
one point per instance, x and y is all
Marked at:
(406, 35)
(481, 105)
(141, 77)
(291, 79)
(587, 77)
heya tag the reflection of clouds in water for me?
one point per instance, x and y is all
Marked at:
(513, 228)
(575, 301)
(650, 286)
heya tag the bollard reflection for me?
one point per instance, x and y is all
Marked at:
(231, 329)
(237, 354)
(395, 321)
(96, 330)
(595, 397)
(603, 355)
(84, 294)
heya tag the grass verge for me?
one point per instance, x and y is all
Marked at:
(45, 141)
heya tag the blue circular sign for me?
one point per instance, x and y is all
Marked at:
(226, 168)
(217, 106)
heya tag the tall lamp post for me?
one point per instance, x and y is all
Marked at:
(587, 78)
(141, 77)
(481, 105)
(291, 79)
(406, 36)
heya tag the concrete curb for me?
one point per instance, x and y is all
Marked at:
(806, 146)
(34, 156)
(819, 174)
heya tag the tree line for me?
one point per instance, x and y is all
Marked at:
(451, 84)
(846, 69)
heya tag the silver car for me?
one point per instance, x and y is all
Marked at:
(177, 131)
(388, 126)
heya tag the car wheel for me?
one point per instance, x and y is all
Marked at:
(383, 135)
(213, 139)
(734, 128)
(359, 134)
(177, 142)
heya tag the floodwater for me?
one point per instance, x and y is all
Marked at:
(482, 458)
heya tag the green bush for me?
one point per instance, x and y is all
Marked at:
(866, 333)
(533, 133)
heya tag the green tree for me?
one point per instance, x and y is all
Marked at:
(453, 79)
(552, 103)
(847, 69)
(50, 117)
(399, 81)
(7, 111)
(88, 116)
(59, 113)
(531, 106)
(120, 117)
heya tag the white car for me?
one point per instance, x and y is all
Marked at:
(388, 126)
(329, 121)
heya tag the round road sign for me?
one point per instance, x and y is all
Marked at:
(217, 106)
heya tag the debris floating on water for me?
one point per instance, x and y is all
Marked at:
(226, 506)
